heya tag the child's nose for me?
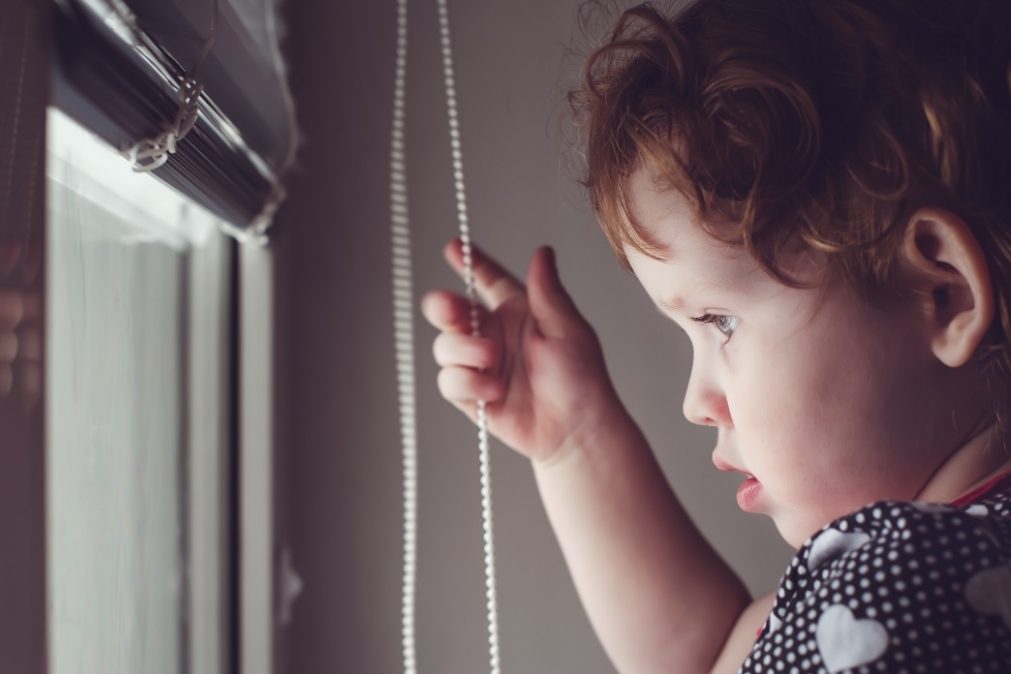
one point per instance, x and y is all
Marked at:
(704, 403)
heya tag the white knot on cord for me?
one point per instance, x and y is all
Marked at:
(256, 232)
(150, 153)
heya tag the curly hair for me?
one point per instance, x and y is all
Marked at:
(822, 124)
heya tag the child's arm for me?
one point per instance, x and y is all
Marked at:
(659, 597)
(744, 634)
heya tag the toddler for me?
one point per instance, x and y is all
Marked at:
(818, 192)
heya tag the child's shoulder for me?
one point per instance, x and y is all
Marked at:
(896, 584)
(910, 530)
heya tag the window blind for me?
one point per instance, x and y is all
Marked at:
(119, 70)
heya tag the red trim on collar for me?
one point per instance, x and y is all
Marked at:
(966, 499)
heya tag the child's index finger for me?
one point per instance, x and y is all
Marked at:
(493, 282)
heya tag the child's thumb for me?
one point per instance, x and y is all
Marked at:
(550, 303)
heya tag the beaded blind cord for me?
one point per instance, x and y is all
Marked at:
(403, 325)
(404, 335)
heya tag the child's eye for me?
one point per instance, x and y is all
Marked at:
(725, 324)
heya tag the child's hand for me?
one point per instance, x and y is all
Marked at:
(538, 364)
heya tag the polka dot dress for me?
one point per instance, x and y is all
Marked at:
(900, 588)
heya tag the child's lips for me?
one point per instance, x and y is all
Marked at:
(748, 491)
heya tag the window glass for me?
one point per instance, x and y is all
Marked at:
(136, 395)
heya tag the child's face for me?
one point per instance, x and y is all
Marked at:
(829, 403)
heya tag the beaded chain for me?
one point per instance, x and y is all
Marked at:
(404, 336)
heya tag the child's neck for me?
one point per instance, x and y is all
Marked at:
(972, 465)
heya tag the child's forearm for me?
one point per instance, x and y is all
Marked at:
(658, 596)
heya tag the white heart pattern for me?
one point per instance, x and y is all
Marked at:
(832, 543)
(978, 509)
(846, 642)
(989, 592)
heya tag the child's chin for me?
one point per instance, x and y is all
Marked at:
(793, 532)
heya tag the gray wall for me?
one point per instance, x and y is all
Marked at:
(338, 439)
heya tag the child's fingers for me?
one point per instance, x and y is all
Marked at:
(493, 283)
(449, 312)
(468, 407)
(479, 353)
(462, 384)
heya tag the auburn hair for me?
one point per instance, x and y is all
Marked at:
(818, 124)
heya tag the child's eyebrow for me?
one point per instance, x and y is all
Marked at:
(675, 303)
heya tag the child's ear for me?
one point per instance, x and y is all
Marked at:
(948, 265)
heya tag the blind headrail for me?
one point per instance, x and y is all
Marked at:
(119, 83)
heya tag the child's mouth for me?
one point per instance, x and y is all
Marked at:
(749, 490)
(748, 493)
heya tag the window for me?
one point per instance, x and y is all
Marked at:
(138, 302)
(129, 325)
